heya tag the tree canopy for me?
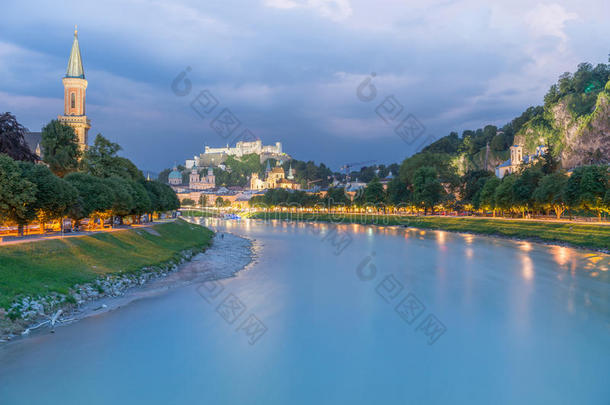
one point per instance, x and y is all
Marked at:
(427, 188)
(12, 139)
(60, 148)
(102, 160)
(16, 192)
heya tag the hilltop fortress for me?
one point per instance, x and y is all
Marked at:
(217, 156)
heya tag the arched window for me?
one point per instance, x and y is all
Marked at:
(72, 100)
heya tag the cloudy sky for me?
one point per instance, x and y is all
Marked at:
(293, 71)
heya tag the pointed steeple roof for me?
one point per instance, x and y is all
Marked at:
(75, 63)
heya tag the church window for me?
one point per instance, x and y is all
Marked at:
(72, 100)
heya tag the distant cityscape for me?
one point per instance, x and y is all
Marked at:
(201, 180)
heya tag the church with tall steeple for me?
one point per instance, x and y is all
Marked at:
(75, 86)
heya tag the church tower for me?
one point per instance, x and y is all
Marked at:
(75, 86)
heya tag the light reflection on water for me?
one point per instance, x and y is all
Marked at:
(524, 320)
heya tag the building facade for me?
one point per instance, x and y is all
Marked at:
(196, 182)
(245, 148)
(75, 87)
(175, 177)
(274, 178)
(518, 158)
(217, 156)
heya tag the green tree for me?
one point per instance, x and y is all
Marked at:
(101, 160)
(374, 194)
(187, 201)
(447, 173)
(219, 202)
(54, 197)
(550, 193)
(335, 196)
(12, 141)
(163, 177)
(122, 202)
(472, 183)
(162, 197)
(141, 201)
(95, 196)
(203, 200)
(60, 148)
(447, 144)
(587, 188)
(549, 163)
(499, 142)
(486, 198)
(504, 196)
(397, 192)
(16, 193)
(427, 189)
(126, 169)
(523, 189)
(168, 200)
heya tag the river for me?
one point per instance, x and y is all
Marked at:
(343, 314)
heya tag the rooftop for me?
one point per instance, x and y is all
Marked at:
(75, 63)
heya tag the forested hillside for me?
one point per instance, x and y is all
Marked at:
(574, 122)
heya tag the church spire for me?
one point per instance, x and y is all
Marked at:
(290, 174)
(75, 63)
(75, 88)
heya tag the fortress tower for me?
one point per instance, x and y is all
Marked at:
(75, 86)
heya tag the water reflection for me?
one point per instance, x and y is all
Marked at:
(527, 267)
(574, 261)
(561, 255)
(538, 312)
(440, 237)
(468, 238)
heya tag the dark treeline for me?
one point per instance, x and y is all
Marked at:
(68, 183)
(536, 189)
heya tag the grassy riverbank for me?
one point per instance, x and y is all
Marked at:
(576, 234)
(47, 266)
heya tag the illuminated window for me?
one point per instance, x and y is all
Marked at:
(72, 100)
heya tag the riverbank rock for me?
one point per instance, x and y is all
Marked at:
(28, 309)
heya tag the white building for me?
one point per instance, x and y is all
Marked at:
(217, 156)
(517, 158)
(245, 148)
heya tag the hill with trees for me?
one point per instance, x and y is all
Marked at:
(574, 122)
(455, 173)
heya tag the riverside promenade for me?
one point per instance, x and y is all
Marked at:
(15, 240)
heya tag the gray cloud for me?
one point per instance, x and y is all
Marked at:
(289, 68)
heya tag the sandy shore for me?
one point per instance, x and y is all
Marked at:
(228, 255)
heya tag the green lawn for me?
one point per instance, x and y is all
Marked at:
(198, 213)
(577, 234)
(41, 267)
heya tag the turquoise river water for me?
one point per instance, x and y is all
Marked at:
(343, 314)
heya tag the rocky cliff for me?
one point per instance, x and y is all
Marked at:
(576, 139)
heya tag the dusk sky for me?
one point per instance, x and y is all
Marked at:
(289, 69)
